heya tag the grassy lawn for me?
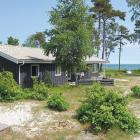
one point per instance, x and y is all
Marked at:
(45, 124)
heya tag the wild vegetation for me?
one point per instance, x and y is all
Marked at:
(75, 97)
(39, 91)
(105, 108)
(57, 102)
(110, 73)
(136, 91)
(10, 90)
(115, 73)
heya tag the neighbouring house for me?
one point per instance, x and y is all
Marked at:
(25, 62)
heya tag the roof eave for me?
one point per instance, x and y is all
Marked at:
(97, 62)
(10, 58)
(27, 61)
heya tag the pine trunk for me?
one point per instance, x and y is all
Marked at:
(103, 45)
(99, 30)
(120, 50)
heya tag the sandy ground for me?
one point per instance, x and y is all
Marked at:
(32, 120)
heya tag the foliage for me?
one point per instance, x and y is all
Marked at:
(39, 90)
(110, 43)
(36, 40)
(71, 39)
(122, 38)
(115, 73)
(126, 120)
(9, 90)
(135, 9)
(136, 72)
(57, 102)
(136, 91)
(46, 78)
(104, 12)
(135, 5)
(105, 108)
(13, 41)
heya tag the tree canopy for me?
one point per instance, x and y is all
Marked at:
(105, 14)
(71, 39)
(123, 37)
(135, 9)
(36, 40)
(12, 41)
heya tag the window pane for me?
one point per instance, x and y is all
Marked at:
(34, 70)
(58, 70)
(94, 67)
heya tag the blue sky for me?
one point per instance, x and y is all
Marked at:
(21, 18)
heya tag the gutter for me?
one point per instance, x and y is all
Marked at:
(19, 79)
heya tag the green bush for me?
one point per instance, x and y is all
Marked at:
(56, 102)
(136, 91)
(105, 108)
(39, 90)
(9, 89)
(46, 78)
(126, 120)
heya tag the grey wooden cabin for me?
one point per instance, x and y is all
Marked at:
(25, 62)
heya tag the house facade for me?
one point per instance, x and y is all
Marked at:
(25, 62)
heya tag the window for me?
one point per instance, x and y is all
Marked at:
(35, 70)
(57, 71)
(95, 67)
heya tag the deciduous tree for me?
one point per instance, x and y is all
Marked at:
(71, 39)
(36, 40)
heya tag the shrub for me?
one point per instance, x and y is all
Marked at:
(136, 91)
(126, 120)
(46, 78)
(39, 90)
(9, 89)
(56, 102)
(105, 108)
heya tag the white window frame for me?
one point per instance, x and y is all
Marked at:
(38, 69)
(56, 67)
